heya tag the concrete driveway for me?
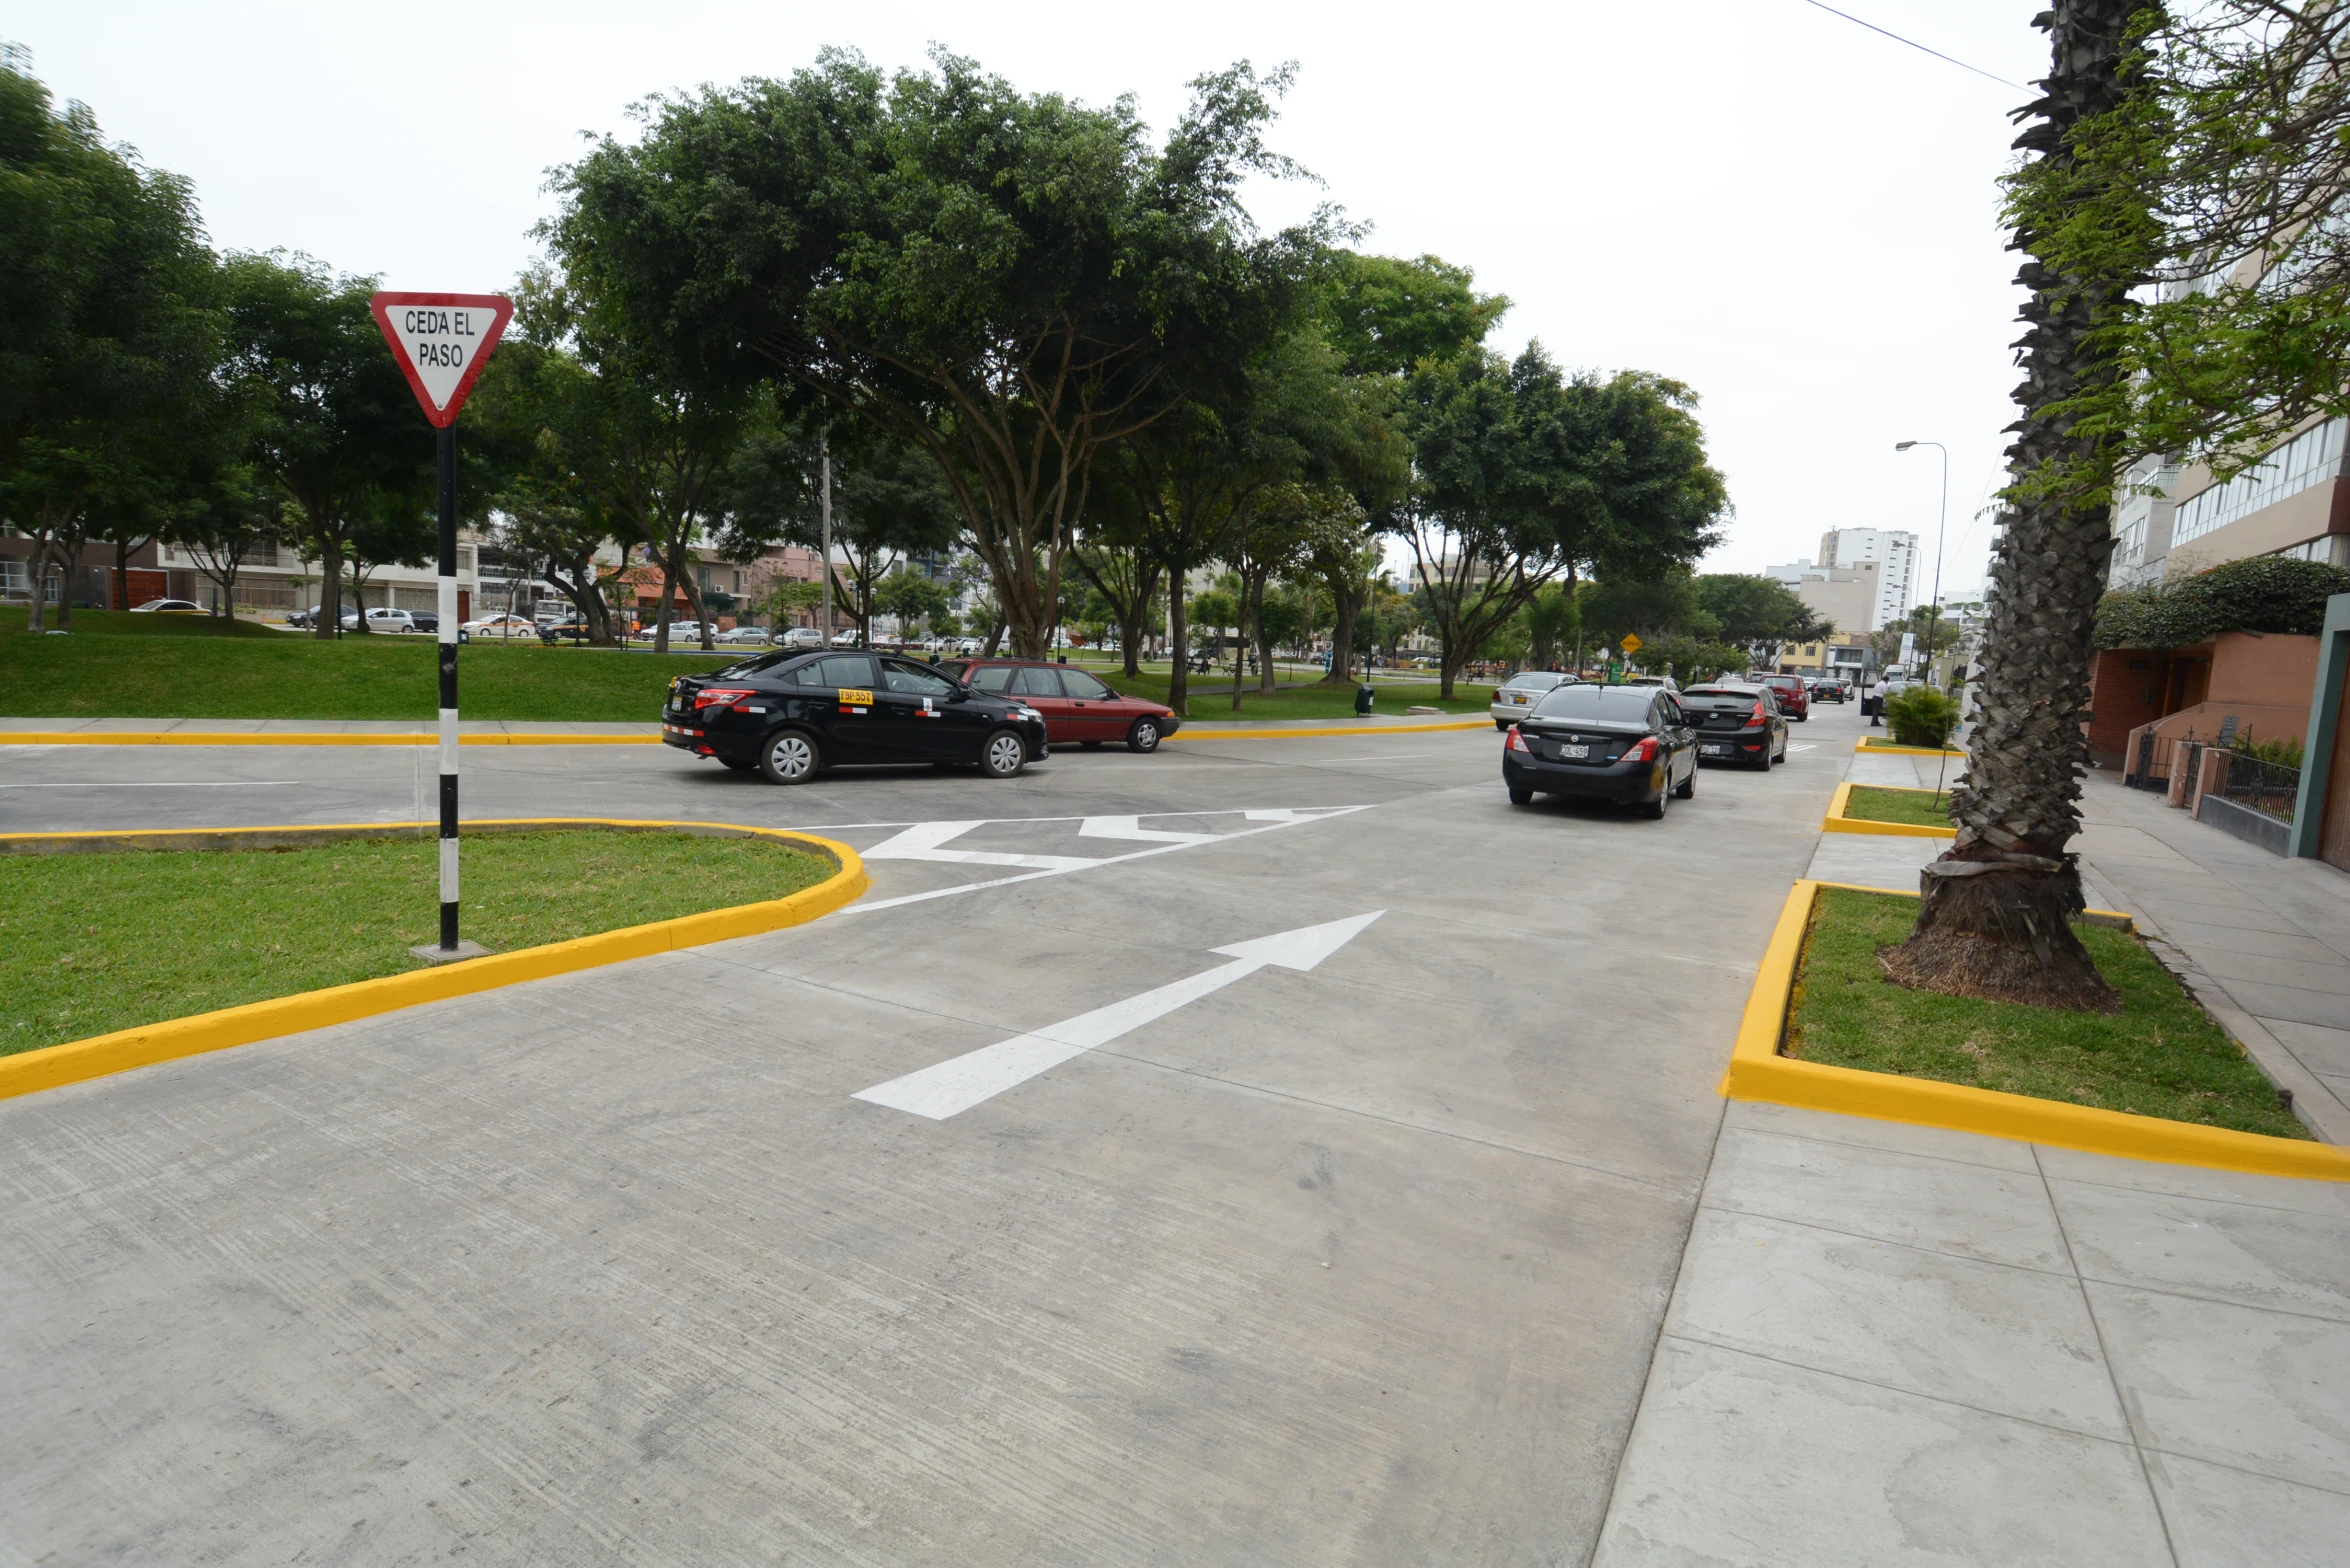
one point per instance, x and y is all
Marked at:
(1361, 1264)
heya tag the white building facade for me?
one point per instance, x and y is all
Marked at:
(1895, 555)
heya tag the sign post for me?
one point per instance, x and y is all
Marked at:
(442, 341)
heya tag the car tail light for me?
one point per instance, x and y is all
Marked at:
(720, 696)
(1516, 741)
(1760, 715)
(1643, 750)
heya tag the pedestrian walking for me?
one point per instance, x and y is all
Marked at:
(1877, 702)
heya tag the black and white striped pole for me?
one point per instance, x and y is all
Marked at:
(442, 341)
(447, 632)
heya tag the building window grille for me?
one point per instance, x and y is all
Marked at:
(2310, 458)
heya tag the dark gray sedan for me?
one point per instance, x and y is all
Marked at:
(1630, 744)
(1737, 721)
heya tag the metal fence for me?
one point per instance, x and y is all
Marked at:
(2268, 787)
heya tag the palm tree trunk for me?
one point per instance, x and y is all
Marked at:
(1996, 918)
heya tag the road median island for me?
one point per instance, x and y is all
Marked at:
(1877, 743)
(1825, 1030)
(1890, 811)
(128, 948)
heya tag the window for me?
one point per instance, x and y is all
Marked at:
(993, 677)
(2311, 458)
(1085, 688)
(1595, 702)
(835, 671)
(2319, 549)
(914, 680)
(1036, 680)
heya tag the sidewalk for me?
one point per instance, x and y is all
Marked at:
(1897, 1345)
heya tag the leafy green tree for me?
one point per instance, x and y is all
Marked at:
(910, 598)
(333, 424)
(1111, 553)
(1003, 282)
(108, 331)
(1758, 614)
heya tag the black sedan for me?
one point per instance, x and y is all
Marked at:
(792, 714)
(1737, 721)
(1630, 744)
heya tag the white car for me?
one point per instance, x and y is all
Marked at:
(969, 645)
(383, 620)
(757, 634)
(496, 626)
(679, 631)
(168, 607)
(1515, 697)
(800, 637)
(845, 638)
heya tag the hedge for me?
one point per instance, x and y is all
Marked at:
(2266, 593)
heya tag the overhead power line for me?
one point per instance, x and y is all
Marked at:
(1914, 44)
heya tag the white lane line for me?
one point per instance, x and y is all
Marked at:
(957, 1084)
(1803, 745)
(176, 784)
(1282, 819)
(1386, 756)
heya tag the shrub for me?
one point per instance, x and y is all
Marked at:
(1921, 716)
(2266, 593)
(2284, 752)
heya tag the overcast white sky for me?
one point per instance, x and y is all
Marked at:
(1792, 214)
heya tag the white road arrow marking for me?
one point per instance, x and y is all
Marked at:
(925, 841)
(961, 1082)
(1131, 828)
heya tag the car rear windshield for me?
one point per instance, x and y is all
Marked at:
(1597, 702)
(1536, 678)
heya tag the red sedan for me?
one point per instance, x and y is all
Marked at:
(1078, 709)
(1794, 701)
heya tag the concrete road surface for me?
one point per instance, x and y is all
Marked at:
(1361, 1263)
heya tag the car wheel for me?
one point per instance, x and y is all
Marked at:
(1144, 737)
(1654, 810)
(1501, 724)
(789, 757)
(1688, 787)
(1004, 755)
(1801, 718)
(1521, 797)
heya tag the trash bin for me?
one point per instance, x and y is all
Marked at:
(1363, 696)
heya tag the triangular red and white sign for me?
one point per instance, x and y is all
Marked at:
(441, 342)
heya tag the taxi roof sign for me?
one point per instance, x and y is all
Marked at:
(441, 341)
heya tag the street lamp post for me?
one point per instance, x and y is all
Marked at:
(1941, 527)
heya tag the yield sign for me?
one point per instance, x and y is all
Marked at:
(441, 342)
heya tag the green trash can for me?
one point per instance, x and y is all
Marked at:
(1363, 696)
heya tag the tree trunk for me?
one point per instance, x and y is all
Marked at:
(668, 596)
(359, 624)
(1266, 684)
(1446, 671)
(1996, 918)
(1347, 607)
(330, 586)
(1178, 647)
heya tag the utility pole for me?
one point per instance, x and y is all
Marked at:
(824, 451)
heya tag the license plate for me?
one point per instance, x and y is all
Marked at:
(1713, 751)
(1518, 698)
(1573, 753)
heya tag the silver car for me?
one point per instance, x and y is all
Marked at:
(1515, 697)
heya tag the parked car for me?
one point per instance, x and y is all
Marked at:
(1514, 696)
(1078, 708)
(1666, 681)
(381, 619)
(846, 637)
(553, 632)
(792, 715)
(1629, 744)
(969, 644)
(1793, 700)
(501, 626)
(799, 637)
(1828, 689)
(1737, 721)
(168, 607)
(742, 634)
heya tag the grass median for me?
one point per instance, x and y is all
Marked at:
(1922, 808)
(94, 943)
(2161, 1055)
(117, 664)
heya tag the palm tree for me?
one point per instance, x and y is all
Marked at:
(1996, 919)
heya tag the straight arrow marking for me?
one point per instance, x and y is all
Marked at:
(960, 1082)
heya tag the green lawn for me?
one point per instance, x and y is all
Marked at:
(94, 943)
(1211, 696)
(1916, 807)
(2160, 1056)
(120, 665)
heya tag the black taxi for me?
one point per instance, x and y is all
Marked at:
(792, 714)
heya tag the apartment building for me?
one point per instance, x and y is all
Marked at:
(1894, 553)
(1852, 599)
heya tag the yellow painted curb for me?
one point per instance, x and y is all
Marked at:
(1837, 822)
(75, 1061)
(1352, 729)
(1862, 745)
(1759, 1072)
(299, 738)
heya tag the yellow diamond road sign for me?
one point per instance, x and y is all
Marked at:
(1630, 644)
